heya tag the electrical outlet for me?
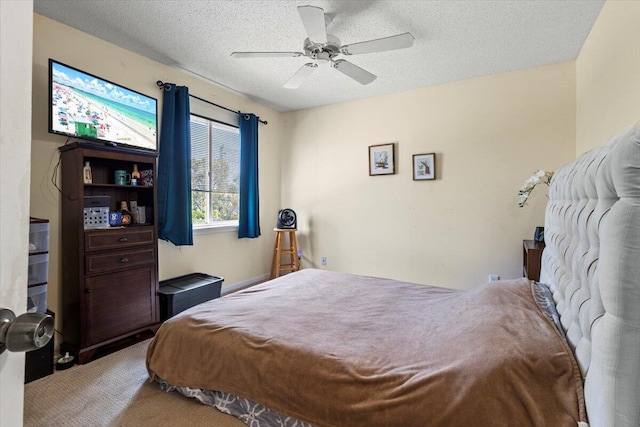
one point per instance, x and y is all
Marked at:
(324, 260)
(494, 277)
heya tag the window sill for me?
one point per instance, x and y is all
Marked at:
(223, 227)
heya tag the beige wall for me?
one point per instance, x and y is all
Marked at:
(608, 75)
(217, 254)
(489, 134)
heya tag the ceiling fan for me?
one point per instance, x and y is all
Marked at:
(324, 48)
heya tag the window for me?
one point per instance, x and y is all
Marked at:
(215, 173)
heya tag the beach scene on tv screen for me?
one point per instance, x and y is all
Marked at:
(88, 107)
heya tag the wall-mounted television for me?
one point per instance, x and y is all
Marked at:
(85, 106)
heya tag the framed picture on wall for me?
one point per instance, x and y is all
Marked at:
(382, 160)
(424, 166)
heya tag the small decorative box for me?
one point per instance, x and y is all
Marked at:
(115, 219)
(147, 177)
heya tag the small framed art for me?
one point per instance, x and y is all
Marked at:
(382, 160)
(424, 166)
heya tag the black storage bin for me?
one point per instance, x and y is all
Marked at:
(181, 293)
(39, 363)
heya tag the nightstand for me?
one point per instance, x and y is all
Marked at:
(531, 259)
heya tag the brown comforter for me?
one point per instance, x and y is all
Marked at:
(335, 349)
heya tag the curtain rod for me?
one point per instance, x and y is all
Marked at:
(162, 85)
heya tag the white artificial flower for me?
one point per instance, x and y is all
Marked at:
(530, 184)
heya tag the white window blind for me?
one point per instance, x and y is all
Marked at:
(215, 172)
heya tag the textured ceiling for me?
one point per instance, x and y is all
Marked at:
(454, 40)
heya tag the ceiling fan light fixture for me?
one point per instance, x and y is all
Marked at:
(323, 48)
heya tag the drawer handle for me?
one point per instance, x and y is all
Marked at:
(124, 239)
(124, 260)
(88, 290)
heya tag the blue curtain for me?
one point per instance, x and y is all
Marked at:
(249, 222)
(174, 168)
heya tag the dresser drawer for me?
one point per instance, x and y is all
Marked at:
(101, 240)
(118, 260)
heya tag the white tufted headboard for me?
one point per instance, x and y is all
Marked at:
(592, 265)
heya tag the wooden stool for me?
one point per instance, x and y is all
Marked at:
(294, 262)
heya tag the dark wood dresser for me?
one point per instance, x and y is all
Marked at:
(109, 274)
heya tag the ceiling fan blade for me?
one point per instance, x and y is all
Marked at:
(266, 54)
(356, 73)
(399, 41)
(313, 20)
(301, 75)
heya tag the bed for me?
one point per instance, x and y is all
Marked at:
(319, 348)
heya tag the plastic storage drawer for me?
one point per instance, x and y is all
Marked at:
(38, 269)
(181, 293)
(38, 236)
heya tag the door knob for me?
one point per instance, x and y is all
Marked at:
(27, 332)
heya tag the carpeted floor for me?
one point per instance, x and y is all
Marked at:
(113, 391)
